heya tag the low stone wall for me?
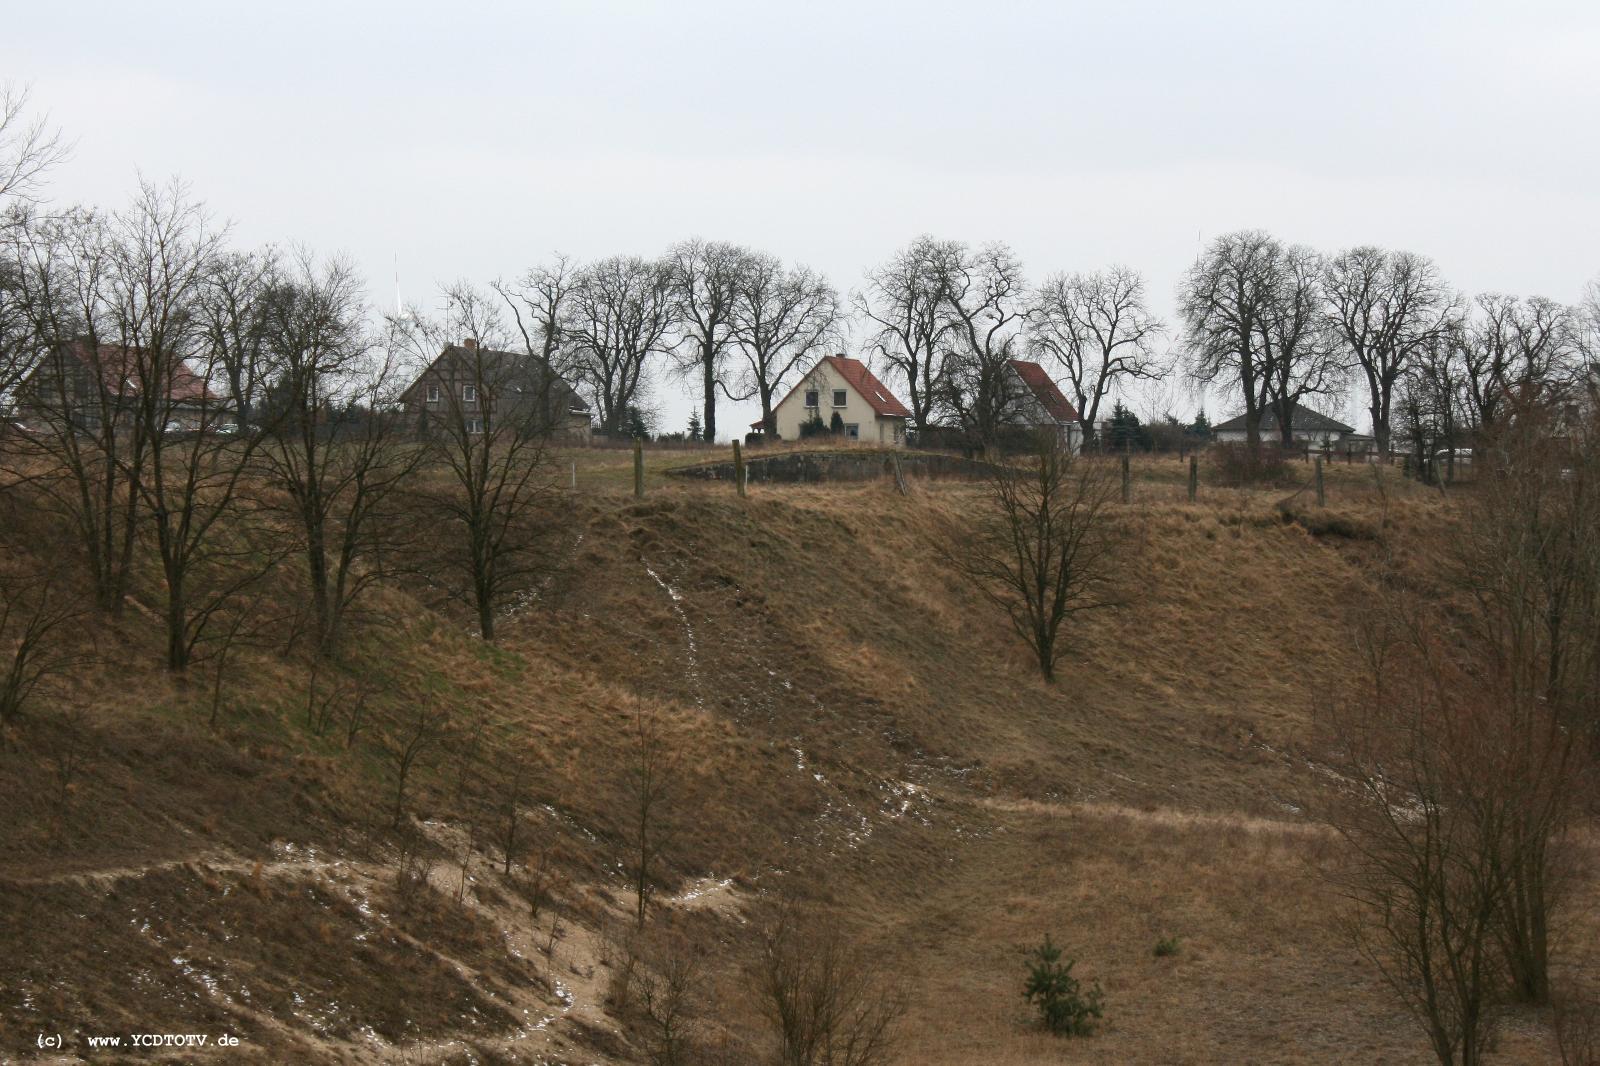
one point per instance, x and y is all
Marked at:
(814, 467)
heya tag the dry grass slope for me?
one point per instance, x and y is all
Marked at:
(848, 725)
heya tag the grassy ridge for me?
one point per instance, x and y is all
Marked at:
(846, 723)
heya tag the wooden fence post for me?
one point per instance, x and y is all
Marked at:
(1194, 478)
(638, 468)
(1322, 499)
(1127, 481)
(738, 469)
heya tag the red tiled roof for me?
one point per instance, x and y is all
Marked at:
(875, 392)
(856, 374)
(119, 368)
(1044, 390)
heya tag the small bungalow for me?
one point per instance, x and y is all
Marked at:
(1305, 425)
(841, 387)
(467, 385)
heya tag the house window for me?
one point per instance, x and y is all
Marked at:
(840, 398)
(852, 430)
(811, 397)
(433, 394)
(469, 394)
(474, 425)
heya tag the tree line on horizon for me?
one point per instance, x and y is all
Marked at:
(1265, 323)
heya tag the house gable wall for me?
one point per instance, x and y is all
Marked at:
(872, 427)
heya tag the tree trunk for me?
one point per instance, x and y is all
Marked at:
(177, 623)
(709, 365)
(486, 613)
(317, 571)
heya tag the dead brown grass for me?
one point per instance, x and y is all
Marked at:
(854, 728)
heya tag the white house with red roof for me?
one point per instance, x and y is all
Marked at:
(839, 385)
(1037, 401)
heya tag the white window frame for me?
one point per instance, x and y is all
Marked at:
(433, 394)
(469, 393)
(837, 402)
(852, 431)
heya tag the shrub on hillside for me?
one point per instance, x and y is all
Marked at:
(1239, 465)
(828, 1002)
(1065, 1007)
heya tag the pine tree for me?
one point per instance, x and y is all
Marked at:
(1065, 1008)
(1127, 432)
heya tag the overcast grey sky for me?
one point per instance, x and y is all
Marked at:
(471, 141)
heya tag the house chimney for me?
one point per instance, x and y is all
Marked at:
(470, 344)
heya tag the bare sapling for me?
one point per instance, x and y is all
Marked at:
(1044, 547)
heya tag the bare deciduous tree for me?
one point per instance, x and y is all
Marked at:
(498, 506)
(904, 302)
(538, 304)
(827, 1003)
(1043, 547)
(706, 277)
(333, 445)
(1225, 300)
(668, 994)
(983, 294)
(89, 451)
(1426, 832)
(233, 307)
(28, 147)
(781, 318)
(621, 313)
(1099, 329)
(1299, 354)
(1385, 307)
(1514, 350)
(1434, 402)
(191, 485)
(1529, 556)
(33, 614)
(405, 738)
(652, 767)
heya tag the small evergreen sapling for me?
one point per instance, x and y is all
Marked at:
(1064, 1006)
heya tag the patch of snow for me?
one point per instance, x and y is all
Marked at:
(692, 667)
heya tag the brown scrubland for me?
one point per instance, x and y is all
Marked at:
(777, 709)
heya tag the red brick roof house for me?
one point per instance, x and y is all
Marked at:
(82, 384)
(839, 385)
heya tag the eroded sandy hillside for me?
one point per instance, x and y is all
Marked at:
(842, 722)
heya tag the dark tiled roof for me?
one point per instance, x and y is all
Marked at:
(1044, 390)
(1301, 420)
(520, 372)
